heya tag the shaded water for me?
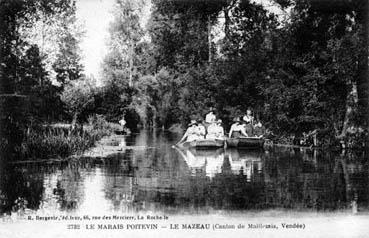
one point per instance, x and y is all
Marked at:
(149, 175)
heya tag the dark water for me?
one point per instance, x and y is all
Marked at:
(150, 176)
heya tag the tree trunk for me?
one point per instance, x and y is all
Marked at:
(209, 40)
(154, 118)
(226, 22)
(130, 83)
(352, 99)
(363, 76)
(74, 121)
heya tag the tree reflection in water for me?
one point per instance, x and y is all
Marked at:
(149, 175)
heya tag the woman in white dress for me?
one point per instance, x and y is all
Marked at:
(192, 132)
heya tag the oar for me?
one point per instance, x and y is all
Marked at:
(178, 144)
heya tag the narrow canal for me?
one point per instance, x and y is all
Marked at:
(148, 175)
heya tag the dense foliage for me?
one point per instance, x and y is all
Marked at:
(299, 74)
(301, 70)
(31, 80)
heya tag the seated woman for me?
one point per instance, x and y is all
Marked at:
(220, 131)
(259, 129)
(192, 132)
(215, 131)
(248, 128)
(201, 129)
(237, 129)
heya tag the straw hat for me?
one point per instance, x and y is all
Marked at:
(236, 119)
(193, 122)
(247, 119)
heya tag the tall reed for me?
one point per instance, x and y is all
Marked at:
(60, 142)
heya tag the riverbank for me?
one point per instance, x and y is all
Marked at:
(107, 146)
(61, 141)
(58, 142)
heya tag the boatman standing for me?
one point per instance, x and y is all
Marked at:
(248, 118)
(122, 122)
(210, 117)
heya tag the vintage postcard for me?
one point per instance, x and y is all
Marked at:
(184, 118)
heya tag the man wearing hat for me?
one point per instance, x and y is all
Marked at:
(237, 129)
(122, 122)
(248, 118)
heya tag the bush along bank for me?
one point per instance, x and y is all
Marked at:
(50, 142)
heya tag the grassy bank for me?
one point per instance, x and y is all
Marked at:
(61, 141)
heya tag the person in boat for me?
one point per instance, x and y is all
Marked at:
(248, 118)
(191, 134)
(259, 129)
(215, 131)
(201, 129)
(248, 128)
(237, 129)
(220, 130)
(210, 117)
(122, 123)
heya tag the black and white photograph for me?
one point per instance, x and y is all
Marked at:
(184, 118)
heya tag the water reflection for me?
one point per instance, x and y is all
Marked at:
(149, 175)
(248, 163)
(206, 162)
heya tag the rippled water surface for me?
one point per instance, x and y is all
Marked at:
(149, 175)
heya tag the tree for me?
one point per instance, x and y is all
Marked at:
(18, 18)
(67, 64)
(302, 74)
(125, 34)
(180, 30)
(314, 79)
(78, 95)
(23, 76)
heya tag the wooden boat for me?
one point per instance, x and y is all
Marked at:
(246, 142)
(205, 143)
